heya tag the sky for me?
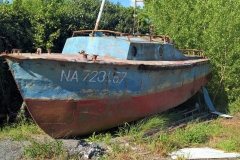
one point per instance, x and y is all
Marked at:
(127, 3)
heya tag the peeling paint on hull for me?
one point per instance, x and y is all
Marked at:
(72, 118)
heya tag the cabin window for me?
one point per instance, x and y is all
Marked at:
(134, 51)
(160, 50)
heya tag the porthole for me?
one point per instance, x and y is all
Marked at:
(160, 50)
(134, 51)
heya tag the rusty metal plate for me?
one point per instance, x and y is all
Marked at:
(54, 112)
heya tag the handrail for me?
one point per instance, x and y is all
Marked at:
(164, 38)
(200, 52)
(104, 31)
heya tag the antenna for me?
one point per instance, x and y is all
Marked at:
(135, 15)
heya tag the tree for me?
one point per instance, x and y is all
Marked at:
(14, 28)
(212, 26)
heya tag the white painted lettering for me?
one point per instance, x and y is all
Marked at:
(87, 74)
(94, 76)
(67, 77)
(103, 77)
(115, 77)
(125, 74)
(75, 76)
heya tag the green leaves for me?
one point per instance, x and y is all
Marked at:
(14, 26)
(30, 24)
(212, 26)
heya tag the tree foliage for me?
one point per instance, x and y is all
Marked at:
(210, 25)
(14, 26)
(30, 24)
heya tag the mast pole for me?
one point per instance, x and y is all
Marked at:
(99, 16)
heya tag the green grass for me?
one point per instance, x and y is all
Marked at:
(106, 137)
(25, 130)
(219, 134)
(48, 149)
(144, 125)
(228, 144)
(20, 131)
(196, 134)
(215, 134)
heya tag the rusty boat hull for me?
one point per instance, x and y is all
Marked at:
(68, 95)
(105, 78)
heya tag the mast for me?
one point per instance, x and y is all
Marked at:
(99, 16)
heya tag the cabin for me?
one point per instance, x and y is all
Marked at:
(126, 47)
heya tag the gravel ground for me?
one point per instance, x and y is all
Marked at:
(12, 150)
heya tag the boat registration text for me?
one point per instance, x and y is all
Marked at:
(93, 76)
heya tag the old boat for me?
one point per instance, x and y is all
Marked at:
(101, 81)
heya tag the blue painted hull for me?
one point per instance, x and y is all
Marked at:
(51, 80)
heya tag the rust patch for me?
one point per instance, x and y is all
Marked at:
(94, 57)
(84, 56)
(52, 112)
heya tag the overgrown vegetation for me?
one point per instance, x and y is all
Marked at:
(220, 134)
(197, 134)
(30, 24)
(10, 97)
(212, 26)
(20, 131)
